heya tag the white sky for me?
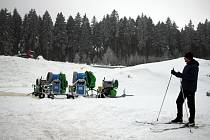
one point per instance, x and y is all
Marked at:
(180, 11)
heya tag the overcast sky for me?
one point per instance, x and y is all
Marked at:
(180, 11)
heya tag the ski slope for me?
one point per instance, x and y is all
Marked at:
(27, 117)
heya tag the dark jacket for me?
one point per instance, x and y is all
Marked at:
(189, 76)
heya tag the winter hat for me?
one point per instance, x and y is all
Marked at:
(189, 55)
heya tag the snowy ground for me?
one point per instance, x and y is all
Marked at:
(26, 117)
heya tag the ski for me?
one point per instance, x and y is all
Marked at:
(120, 96)
(157, 130)
(155, 123)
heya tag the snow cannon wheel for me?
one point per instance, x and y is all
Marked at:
(51, 96)
(69, 96)
(35, 94)
(41, 96)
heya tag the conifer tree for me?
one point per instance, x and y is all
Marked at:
(71, 38)
(85, 40)
(16, 31)
(77, 33)
(96, 40)
(114, 31)
(31, 26)
(46, 36)
(60, 39)
(6, 37)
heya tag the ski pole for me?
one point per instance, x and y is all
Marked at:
(164, 97)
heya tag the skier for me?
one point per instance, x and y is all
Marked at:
(189, 78)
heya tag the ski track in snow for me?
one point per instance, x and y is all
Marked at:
(26, 117)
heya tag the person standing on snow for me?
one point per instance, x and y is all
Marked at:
(189, 78)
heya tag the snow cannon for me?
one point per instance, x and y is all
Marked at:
(55, 84)
(58, 81)
(108, 89)
(40, 88)
(82, 82)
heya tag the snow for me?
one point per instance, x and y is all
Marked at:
(27, 117)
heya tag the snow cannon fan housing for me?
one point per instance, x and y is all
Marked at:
(90, 80)
(78, 76)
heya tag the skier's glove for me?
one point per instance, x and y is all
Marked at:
(177, 74)
(173, 72)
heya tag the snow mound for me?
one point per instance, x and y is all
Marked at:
(40, 57)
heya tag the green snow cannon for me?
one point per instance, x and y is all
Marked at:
(109, 88)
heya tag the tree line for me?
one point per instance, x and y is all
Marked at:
(113, 40)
